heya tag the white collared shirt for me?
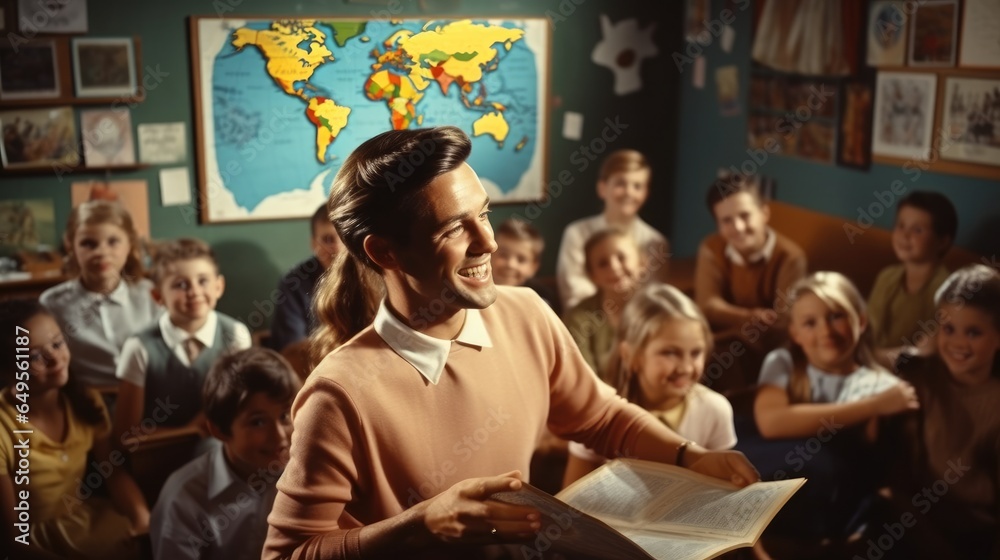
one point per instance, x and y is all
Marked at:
(761, 256)
(426, 353)
(135, 360)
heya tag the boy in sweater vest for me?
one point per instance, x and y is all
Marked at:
(741, 277)
(163, 366)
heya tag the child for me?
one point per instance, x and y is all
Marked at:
(740, 272)
(163, 366)
(947, 481)
(662, 343)
(518, 255)
(108, 299)
(613, 265)
(66, 423)
(293, 317)
(623, 185)
(903, 294)
(247, 398)
(825, 388)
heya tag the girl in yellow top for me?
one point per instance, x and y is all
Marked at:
(49, 508)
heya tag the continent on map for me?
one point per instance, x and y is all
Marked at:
(287, 61)
(398, 93)
(329, 119)
(493, 124)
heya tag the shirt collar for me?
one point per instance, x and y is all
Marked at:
(426, 353)
(119, 295)
(763, 255)
(174, 335)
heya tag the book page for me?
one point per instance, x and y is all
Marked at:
(678, 547)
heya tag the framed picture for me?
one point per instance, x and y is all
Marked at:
(886, 34)
(934, 33)
(27, 224)
(107, 137)
(697, 13)
(817, 140)
(104, 67)
(855, 148)
(39, 138)
(980, 44)
(30, 71)
(297, 103)
(970, 120)
(904, 114)
(59, 16)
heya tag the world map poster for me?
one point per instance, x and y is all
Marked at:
(281, 103)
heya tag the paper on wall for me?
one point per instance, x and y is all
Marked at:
(162, 143)
(572, 125)
(175, 186)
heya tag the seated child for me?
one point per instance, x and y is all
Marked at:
(247, 401)
(661, 346)
(70, 429)
(815, 408)
(166, 362)
(623, 185)
(947, 481)
(613, 264)
(903, 294)
(518, 255)
(293, 317)
(107, 300)
(741, 271)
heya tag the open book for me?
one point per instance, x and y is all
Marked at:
(631, 509)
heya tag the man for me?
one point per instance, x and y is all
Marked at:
(402, 434)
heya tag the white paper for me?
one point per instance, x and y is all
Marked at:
(572, 125)
(175, 187)
(980, 35)
(162, 143)
(622, 49)
(727, 39)
(64, 16)
(698, 76)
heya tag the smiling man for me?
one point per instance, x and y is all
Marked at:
(403, 433)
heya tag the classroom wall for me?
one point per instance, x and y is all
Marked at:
(707, 141)
(254, 255)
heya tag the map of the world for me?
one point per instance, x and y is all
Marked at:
(282, 103)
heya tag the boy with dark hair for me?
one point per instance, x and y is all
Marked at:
(247, 400)
(293, 317)
(163, 365)
(903, 294)
(518, 256)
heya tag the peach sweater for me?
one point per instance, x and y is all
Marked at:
(372, 437)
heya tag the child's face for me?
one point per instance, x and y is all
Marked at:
(624, 193)
(967, 343)
(742, 222)
(514, 262)
(190, 291)
(670, 363)
(48, 355)
(913, 237)
(101, 252)
(261, 434)
(326, 243)
(824, 334)
(614, 265)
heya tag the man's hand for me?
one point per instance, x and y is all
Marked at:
(727, 465)
(464, 512)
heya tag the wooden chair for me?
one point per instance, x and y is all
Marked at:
(154, 457)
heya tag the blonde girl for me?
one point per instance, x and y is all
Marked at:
(661, 346)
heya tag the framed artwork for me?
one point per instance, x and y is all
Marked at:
(886, 35)
(980, 35)
(104, 67)
(934, 33)
(39, 138)
(107, 137)
(30, 71)
(970, 120)
(855, 148)
(904, 114)
(697, 13)
(27, 224)
(59, 16)
(281, 103)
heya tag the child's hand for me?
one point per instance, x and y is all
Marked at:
(898, 398)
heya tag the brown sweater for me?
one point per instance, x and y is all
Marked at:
(372, 437)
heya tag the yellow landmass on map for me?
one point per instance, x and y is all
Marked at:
(461, 37)
(287, 62)
(329, 119)
(493, 124)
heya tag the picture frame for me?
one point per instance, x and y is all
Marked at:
(933, 40)
(104, 67)
(30, 71)
(857, 107)
(697, 12)
(903, 121)
(107, 137)
(886, 34)
(63, 16)
(38, 138)
(970, 120)
(979, 45)
(27, 225)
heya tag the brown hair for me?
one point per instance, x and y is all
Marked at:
(943, 215)
(622, 161)
(184, 249)
(732, 184)
(236, 377)
(522, 231)
(322, 214)
(976, 285)
(377, 192)
(97, 212)
(600, 237)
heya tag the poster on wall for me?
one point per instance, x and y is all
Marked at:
(856, 125)
(281, 103)
(980, 34)
(27, 224)
(39, 138)
(970, 120)
(904, 114)
(934, 33)
(133, 195)
(886, 34)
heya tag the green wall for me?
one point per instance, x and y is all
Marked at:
(254, 255)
